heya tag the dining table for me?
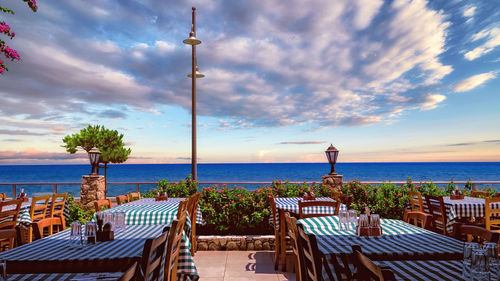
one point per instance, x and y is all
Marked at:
(55, 254)
(24, 217)
(399, 241)
(103, 276)
(291, 204)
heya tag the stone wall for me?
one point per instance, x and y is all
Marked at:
(334, 182)
(235, 243)
(93, 188)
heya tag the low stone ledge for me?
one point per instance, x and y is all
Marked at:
(235, 243)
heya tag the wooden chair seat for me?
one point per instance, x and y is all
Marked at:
(308, 204)
(99, 204)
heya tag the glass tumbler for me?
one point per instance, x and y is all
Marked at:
(468, 247)
(479, 266)
(353, 216)
(119, 221)
(343, 219)
(75, 238)
(108, 218)
(91, 232)
(492, 256)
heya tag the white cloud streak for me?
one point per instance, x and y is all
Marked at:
(473, 82)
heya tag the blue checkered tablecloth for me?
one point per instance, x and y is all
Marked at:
(105, 276)
(399, 241)
(24, 217)
(291, 204)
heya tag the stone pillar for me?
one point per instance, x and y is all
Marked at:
(334, 182)
(93, 188)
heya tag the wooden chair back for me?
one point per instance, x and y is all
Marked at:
(367, 270)
(9, 218)
(99, 204)
(346, 200)
(7, 239)
(3, 196)
(38, 210)
(274, 212)
(153, 256)
(479, 193)
(133, 196)
(130, 274)
(291, 224)
(57, 204)
(336, 195)
(437, 209)
(173, 248)
(311, 264)
(474, 233)
(419, 219)
(316, 203)
(492, 215)
(416, 201)
(183, 206)
(273, 221)
(122, 199)
(193, 212)
(39, 226)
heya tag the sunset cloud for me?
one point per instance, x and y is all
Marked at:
(473, 82)
(302, 142)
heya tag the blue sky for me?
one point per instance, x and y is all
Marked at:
(381, 80)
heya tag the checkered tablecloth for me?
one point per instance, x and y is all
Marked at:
(55, 251)
(105, 276)
(291, 204)
(438, 270)
(24, 217)
(147, 211)
(399, 241)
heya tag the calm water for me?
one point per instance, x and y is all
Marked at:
(486, 171)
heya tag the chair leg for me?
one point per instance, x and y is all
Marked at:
(282, 251)
(30, 234)
(276, 251)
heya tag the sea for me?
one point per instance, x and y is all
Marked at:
(241, 172)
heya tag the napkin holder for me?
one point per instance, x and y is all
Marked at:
(456, 197)
(368, 230)
(105, 234)
(161, 198)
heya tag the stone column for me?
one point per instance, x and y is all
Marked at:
(93, 188)
(334, 182)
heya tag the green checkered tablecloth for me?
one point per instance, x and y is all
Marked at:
(399, 241)
(147, 211)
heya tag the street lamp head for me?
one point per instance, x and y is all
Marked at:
(192, 40)
(197, 74)
(331, 154)
(94, 157)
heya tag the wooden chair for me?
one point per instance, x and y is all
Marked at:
(39, 226)
(311, 264)
(416, 201)
(307, 204)
(8, 223)
(153, 256)
(183, 206)
(474, 233)
(281, 245)
(38, 211)
(492, 215)
(479, 194)
(130, 274)
(193, 212)
(437, 209)
(57, 208)
(173, 248)
(98, 204)
(3, 196)
(291, 224)
(419, 219)
(336, 195)
(367, 270)
(122, 199)
(133, 196)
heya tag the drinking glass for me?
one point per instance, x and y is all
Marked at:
(363, 220)
(479, 266)
(90, 232)
(374, 220)
(108, 217)
(492, 256)
(343, 219)
(119, 221)
(75, 238)
(468, 247)
(353, 216)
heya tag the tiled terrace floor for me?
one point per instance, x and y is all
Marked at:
(238, 265)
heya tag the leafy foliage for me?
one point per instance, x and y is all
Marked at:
(109, 142)
(182, 189)
(76, 212)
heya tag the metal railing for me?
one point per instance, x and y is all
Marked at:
(56, 185)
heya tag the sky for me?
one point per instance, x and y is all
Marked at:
(383, 81)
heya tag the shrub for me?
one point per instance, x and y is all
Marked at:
(181, 189)
(76, 212)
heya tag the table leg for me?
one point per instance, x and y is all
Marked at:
(282, 240)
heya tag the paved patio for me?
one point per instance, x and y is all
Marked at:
(238, 265)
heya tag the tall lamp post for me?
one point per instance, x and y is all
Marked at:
(94, 155)
(194, 74)
(332, 180)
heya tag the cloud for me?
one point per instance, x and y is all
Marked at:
(469, 11)
(20, 132)
(110, 113)
(33, 154)
(474, 143)
(301, 142)
(13, 140)
(473, 82)
(491, 38)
